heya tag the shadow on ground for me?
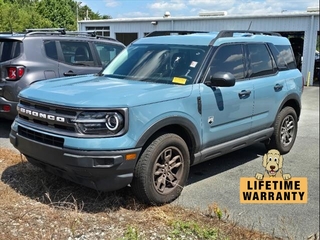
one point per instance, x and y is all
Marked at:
(49, 189)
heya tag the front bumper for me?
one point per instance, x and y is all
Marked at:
(100, 170)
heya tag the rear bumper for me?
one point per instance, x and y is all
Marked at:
(100, 170)
(13, 109)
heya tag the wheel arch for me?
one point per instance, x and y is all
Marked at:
(292, 100)
(177, 125)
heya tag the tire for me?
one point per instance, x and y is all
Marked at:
(162, 170)
(285, 131)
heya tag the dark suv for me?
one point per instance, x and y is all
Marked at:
(41, 54)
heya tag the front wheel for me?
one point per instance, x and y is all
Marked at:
(285, 131)
(162, 170)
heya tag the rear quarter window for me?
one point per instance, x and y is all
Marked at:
(283, 55)
(9, 49)
(51, 50)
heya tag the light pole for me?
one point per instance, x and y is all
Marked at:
(78, 4)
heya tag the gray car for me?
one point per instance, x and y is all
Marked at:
(42, 54)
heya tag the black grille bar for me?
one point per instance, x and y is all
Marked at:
(40, 137)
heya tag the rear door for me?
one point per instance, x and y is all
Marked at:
(269, 86)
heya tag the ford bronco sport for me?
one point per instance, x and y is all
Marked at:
(163, 104)
(41, 54)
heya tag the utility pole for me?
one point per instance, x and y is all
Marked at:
(78, 4)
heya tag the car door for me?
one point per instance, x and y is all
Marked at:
(269, 86)
(76, 58)
(227, 111)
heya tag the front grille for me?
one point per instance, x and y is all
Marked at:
(39, 114)
(40, 137)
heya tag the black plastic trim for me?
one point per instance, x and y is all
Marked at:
(185, 123)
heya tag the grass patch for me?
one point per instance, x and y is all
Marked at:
(38, 205)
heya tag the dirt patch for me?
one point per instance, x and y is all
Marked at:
(37, 205)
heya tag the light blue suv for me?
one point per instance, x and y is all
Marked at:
(163, 104)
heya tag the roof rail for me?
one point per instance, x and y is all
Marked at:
(45, 30)
(81, 33)
(229, 33)
(164, 33)
(61, 31)
(89, 33)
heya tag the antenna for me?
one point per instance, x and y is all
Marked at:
(249, 26)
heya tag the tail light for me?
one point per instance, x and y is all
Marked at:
(5, 108)
(15, 73)
(302, 84)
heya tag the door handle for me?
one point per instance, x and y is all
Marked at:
(244, 93)
(278, 87)
(70, 73)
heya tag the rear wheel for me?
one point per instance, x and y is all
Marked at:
(162, 170)
(285, 131)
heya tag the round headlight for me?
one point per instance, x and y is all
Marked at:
(113, 121)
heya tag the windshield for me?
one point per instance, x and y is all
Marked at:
(171, 64)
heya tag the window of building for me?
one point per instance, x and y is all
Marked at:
(126, 38)
(103, 31)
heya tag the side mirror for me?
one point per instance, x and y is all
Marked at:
(220, 79)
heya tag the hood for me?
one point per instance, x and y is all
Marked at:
(100, 92)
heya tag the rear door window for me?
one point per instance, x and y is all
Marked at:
(9, 49)
(261, 63)
(77, 53)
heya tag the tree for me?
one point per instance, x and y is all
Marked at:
(85, 13)
(58, 12)
(17, 15)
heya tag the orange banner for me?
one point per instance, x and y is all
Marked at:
(273, 190)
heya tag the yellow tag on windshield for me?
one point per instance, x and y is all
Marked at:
(179, 80)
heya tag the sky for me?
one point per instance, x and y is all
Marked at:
(180, 8)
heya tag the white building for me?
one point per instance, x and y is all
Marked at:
(304, 25)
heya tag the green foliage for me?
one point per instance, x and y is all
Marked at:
(18, 15)
(131, 234)
(214, 210)
(58, 12)
(192, 230)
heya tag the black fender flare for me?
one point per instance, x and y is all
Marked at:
(174, 120)
(292, 96)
